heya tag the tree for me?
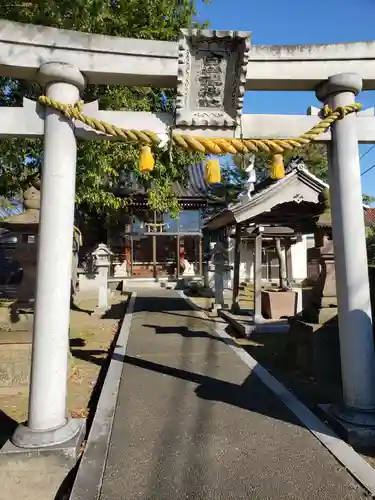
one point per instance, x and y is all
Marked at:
(100, 163)
(370, 244)
(231, 186)
(313, 154)
(368, 199)
(234, 176)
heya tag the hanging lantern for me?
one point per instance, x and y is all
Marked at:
(213, 174)
(146, 160)
(277, 167)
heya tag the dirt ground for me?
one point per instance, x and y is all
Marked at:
(90, 339)
(245, 299)
(48, 476)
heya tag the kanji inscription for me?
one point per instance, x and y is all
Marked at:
(211, 83)
(211, 78)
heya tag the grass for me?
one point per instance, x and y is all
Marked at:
(91, 340)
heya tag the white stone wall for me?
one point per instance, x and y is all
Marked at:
(299, 259)
(246, 266)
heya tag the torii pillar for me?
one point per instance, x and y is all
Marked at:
(353, 294)
(48, 423)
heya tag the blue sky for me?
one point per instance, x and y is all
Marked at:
(273, 22)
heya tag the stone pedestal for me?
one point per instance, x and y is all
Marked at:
(322, 305)
(219, 288)
(314, 349)
(313, 345)
(278, 304)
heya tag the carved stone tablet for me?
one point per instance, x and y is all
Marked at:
(212, 69)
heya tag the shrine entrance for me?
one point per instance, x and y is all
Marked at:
(160, 256)
(208, 103)
(156, 246)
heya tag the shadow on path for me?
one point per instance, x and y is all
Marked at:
(194, 421)
(7, 427)
(251, 395)
(184, 331)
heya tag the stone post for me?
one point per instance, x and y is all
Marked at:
(48, 423)
(354, 311)
(258, 318)
(324, 295)
(236, 274)
(220, 260)
(227, 242)
(102, 261)
(206, 257)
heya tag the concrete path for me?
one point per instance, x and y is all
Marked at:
(193, 423)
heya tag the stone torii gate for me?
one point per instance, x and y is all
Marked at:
(63, 62)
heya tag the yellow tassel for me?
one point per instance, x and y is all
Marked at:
(213, 174)
(277, 167)
(146, 160)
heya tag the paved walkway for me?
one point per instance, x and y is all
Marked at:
(193, 423)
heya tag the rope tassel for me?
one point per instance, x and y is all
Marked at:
(213, 173)
(277, 167)
(146, 160)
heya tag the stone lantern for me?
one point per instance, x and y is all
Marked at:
(322, 306)
(314, 341)
(102, 257)
(220, 260)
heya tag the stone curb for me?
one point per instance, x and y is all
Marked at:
(88, 482)
(345, 454)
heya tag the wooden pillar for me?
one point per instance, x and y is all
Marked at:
(178, 257)
(200, 256)
(281, 255)
(207, 252)
(289, 261)
(236, 271)
(154, 256)
(258, 276)
(131, 255)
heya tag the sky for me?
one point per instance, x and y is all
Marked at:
(274, 22)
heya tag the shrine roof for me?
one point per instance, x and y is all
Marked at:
(196, 187)
(275, 202)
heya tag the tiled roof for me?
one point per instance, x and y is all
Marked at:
(370, 216)
(196, 186)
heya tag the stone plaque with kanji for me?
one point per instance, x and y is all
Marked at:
(212, 69)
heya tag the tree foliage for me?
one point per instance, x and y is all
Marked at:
(314, 155)
(100, 163)
(234, 175)
(370, 243)
(368, 199)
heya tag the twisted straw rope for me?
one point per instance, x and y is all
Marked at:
(205, 145)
